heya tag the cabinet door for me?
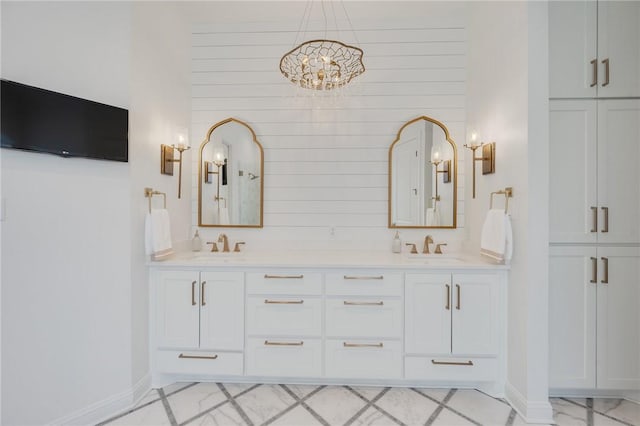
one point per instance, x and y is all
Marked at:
(221, 310)
(475, 314)
(619, 318)
(428, 313)
(572, 317)
(177, 309)
(619, 43)
(572, 171)
(572, 47)
(619, 170)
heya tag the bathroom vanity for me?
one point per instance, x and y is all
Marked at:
(329, 318)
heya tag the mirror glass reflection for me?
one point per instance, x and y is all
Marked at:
(422, 176)
(230, 176)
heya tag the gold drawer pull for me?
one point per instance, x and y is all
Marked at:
(362, 345)
(594, 82)
(594, 215)
(605, 210)
(354, 277)
(605, 262)
(193, 293)
(268, 343)
(434, 362)
(346, 302)
(287, 277)
(284, 302)
(197, 356)
(594, 270)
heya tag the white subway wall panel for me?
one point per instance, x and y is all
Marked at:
(326, 157)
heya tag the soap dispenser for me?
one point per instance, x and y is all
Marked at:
(396, 245)
(196, 242)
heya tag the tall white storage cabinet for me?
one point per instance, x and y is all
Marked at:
(594, 231)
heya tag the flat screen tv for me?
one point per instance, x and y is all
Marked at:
(40, 120)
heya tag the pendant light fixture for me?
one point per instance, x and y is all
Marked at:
(322, 64)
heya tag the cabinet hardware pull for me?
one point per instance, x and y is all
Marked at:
(268, 343)
(458, 301)
(433, 361)
(605, 262)
(605, 210)
(295, 277)
(594, 82)
(448, 305)
(362, 345)
(606, 72)
(193, 293)
(352, 277)
(284, 302)
(381, 303)
(594, 215)
(197, 356)
(594, 270)
(202, 300)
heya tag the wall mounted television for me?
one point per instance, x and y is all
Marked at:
(40, 120)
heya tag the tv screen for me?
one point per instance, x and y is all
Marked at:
(40, 120)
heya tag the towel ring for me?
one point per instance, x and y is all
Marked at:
(507, 192)
(149, 193)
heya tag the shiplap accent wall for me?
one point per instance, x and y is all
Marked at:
(326, 157)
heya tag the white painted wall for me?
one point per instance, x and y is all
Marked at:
(326, 159)
(66, 314)
(507, 90)
(160, 108)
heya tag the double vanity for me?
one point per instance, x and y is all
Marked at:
(329, 318)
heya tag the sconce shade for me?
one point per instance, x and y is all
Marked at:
(218, 154)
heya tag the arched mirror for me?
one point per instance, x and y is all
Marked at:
(230, 176)
(423, 179)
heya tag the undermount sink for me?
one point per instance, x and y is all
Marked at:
(218, 257)
(434, 259)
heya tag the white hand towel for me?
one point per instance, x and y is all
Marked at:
(433, 217)
(158, 234)
(496, 240)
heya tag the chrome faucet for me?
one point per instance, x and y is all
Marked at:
(427, 240)
(225, 243)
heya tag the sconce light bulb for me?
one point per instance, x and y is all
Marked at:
(474, 137)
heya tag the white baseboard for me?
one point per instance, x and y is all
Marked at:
(539, 412)
(108, 407)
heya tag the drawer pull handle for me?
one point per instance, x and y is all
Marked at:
(605, 262)
(594, 215)
(605, 210)
(458, 293)
(594, 82)
(354, 277)
(448, 305)
(193, 293)
(346, 302)
(197, 356)
(434, 362)
(362, 345)
(287, 277)
(284, 302)
(203, 302)
(594, 270)
(606, 72)
(268, 343)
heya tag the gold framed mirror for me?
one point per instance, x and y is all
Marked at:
(230, 177)
(423, 176)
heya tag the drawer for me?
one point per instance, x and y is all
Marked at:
(444, 368)
(284, 316)
(284, 357)
(364, 284)
(367, 359)
(357, 317)
(197, 362)
(284, 282)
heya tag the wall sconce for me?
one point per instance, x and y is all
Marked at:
(436, 159)
(167, 160)
(488, 158)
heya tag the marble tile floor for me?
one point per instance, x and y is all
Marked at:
(306, 405)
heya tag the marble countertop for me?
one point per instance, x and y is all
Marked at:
(329, 259)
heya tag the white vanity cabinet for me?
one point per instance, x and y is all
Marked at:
(453, 326)
(594, 49)
(284, 323)
(379, 325)
(198, 322)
